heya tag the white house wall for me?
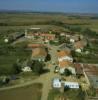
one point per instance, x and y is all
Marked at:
(72, 85)
(66, 58)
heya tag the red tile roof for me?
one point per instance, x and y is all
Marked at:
(63, 53)
(64, 63)
(46, 35)
(35, 45)
(39, 52)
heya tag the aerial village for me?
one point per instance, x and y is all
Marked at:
(56, 50)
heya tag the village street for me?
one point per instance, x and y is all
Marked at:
(47, 79)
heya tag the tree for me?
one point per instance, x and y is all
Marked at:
(66, 88)
(29, 63)
(11, 39)
(4, 80)
(62, 39)
(91, 91)
(67, 72)
(89, 33)
(48, 57)
(17, 68)
(80, 94)
(37, 67)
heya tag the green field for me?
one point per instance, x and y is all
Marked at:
(71, 94)
(18, 21)
(9, 56)
(32, 92)
(53, 94)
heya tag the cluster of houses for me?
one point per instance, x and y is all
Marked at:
(78, 42)
(42, 35)
(65, 59)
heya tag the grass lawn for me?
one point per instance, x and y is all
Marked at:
(9, 55)
(71, 94)
(53, 94)
(7, 60)
(23, 78)
(32, 92)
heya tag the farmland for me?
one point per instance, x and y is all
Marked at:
(32, 92)
(19, 21)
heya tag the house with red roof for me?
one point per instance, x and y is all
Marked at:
(35, 45)
(65, 61)
(45, 36)
(39, 54)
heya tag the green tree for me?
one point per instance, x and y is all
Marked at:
(67, 72)
(37, 67)
(48, 57)
(16, 68)
(81, 94)
(62, 40)
(91, 92)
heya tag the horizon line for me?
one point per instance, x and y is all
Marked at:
(31, 11)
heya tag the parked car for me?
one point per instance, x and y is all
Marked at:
(56, 69)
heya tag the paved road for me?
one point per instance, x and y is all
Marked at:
(46, 80)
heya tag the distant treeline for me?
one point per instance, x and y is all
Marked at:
(53, 22)
(82, 17)
(71, 27)
(75, 27)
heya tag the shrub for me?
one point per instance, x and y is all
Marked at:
(67, 72)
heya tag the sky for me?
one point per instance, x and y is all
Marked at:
(69, 6)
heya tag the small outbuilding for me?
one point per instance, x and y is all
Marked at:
(56, 83)
(26, 69)
(71, 85)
